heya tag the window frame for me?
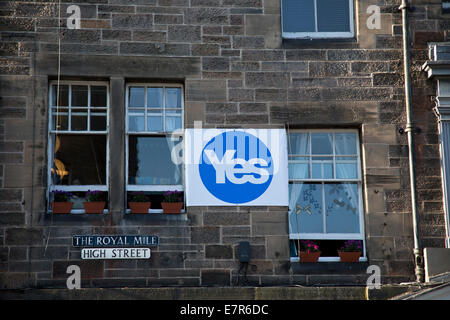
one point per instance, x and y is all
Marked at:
(178, 132)
(358, 181)
(321, 35)
(53, 132)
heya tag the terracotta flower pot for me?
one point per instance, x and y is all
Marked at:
(61, 207)
(94, 206)
(349, 256)
(139, 207)
(309, 256)
(172, 207)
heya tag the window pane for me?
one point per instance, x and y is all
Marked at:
(333, 16)
(98, 96)
(173, 123)
(298, 16)
(154, 123)
(173, 97)
(150, 161)
(79, 160)
(342, 208)
(155, 97)
(345, 143)
(298, 170)
(79, 96)
(136, 123)
(298, 143)
(136, 98)
(98, 122)
(305, 205)
(60, 120)
(322, 170)
(63, 95)
(321, 143)
(346, 170)
(79, 123)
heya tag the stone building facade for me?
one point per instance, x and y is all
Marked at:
(236, 71)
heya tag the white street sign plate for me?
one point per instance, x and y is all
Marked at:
(115, 253)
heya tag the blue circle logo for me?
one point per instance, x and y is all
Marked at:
(236, 167)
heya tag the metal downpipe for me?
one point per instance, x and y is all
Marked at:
(418, 255)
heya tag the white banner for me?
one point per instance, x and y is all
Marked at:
(236, 167)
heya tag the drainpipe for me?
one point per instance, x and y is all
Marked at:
(418, 255)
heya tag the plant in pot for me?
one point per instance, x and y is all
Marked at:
(94, 202)
(61, 202)
(139, 203)
(309, 251)
(351, 251)
(173, 202)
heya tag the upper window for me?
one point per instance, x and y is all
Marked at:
(78, 157)
(317, 19)
(325, 202)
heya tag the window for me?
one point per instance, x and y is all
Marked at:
(154, 129)
(317, 19)
(325, 202)
(78, 144)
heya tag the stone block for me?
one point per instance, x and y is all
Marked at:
(375, 133)
(387, 79)
(262, 55)
(12, 218)
(274, 223)
(267, 95)
(205, 16)
(205, 90)
(221, 107)
(194, 111)
(246, 42)
(327, 69)
(241, 95)
(151, 36)
(277, 247)
(205, 49)
(247, 119)
(218, 252)
(11, 195)
(375, 155)
(162, 49)
(117, 35)
(23, 236)
(132, 21)
(205, 234)
(305, 55)
(215, 64)
(243, 3)
(266, 80)
(215, 278)
(247, 107)
(226, 218)
(168, 19)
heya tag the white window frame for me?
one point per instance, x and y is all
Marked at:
(321, 35)
(358, 180)
(180, 133)
(53, 132)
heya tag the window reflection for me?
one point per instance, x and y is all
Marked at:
(79, 160)
(150, 161)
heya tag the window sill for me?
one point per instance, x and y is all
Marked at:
(153, 216)
(329, 267)
(328, 259)
(319, 43)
